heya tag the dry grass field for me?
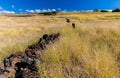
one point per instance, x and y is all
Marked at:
(86, 52)
(16, 33)
(91, 50)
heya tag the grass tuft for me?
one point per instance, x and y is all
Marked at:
(86, 52)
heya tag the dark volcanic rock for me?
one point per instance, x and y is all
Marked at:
(24, 64)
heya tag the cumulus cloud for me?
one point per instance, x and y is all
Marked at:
(53, 9)
(6, 12)
(30, 11)
(110, 10)
(1, 8)
(2, 11)
(37, 10)
(40, 11)
(44, 10)
(20, 9)
(74, 11)
(13, 6)
(65, 10)
(49, 10)
(88, 10)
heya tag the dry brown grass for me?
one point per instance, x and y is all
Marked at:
(84, 52)
(90, 51)
(92, 16)
(16, 33)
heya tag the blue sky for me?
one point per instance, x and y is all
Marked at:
(22, 6)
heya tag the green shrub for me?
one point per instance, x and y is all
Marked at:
(104, 11)
(49, 13)
(96, 10)
(116, 10)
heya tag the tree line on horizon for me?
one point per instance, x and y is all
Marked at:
(114, 10)
(95, 10)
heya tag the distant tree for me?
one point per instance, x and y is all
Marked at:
(49, 13)
(116, 10)
(104, 11)
(96, 10)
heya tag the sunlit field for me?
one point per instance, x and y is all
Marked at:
(92, 16)
(84, 52)
(91, 50)
(16, 33)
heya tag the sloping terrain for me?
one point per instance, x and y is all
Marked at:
(89, 50)
(16, 33)
(83, 52)
(23, 65)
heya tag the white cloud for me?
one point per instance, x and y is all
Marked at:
(75, 11)
(20, 9)
(65, 10)
(1, 8)
(49, 10)
(2, 11)
(53, 9)
(44, 10)
(33, 11)
(88, 10)
(110, 10)
(27, 10)
(6, 12)
(30, 11)
(37, 10)
(13, 6)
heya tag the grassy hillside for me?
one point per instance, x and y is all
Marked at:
(84, 52)
(16, 33)
(92, 16)
(92, 50)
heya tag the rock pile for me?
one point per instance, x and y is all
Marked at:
(23, 65)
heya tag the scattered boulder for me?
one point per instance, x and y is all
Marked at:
(67, 20)
(16, 65)
(73, 25)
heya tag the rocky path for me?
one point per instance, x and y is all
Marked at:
(23, 65)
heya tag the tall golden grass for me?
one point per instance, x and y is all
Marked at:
(84, 52)
(92, 16)
(16, 33)
(89, 51)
